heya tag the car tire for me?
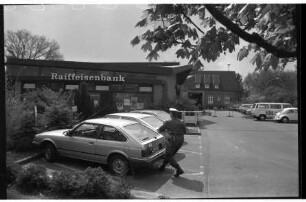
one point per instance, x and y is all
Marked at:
(50, 152)
(262, 117)
(285, 120)
(119, 165)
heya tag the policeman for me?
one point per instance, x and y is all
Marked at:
(176, 129)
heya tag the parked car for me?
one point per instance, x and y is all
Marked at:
(159, 113)
(147, 119)
(287, 115)
(118, 143)
(244, 107)
(267, 110)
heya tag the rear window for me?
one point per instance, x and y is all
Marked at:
(153, 121)
(140, 132)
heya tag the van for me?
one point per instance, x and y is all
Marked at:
(244, 107)
(265, 110)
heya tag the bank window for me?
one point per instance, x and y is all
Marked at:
(29, 85)
(227, 100)
(197, 85)
(110, 133)
(145, 89)
(207, 85)
(219, 98)
(102, 88)
(72, 87)
(216, 86)
(210, 99)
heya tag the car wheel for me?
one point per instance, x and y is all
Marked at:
(119, 165)
(50, 152)
(285, 120)
(262, 117)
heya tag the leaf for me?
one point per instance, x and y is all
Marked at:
(135, 41)
(201, 12)
(152, 55)
(180, 53)
(243, 53)
(197, 65)
(141, 23)
(147, 46)
(186, 44)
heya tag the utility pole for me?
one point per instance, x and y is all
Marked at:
(2, 112)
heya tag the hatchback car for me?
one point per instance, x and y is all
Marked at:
(119, 143)
(158, 113)
(146, 119)
(287, 115)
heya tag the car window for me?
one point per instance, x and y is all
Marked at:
(140, 132)
(291, 111)
(153, 121)
(276, 106)
(287, 106)
(263, 106)
(87, 130)
(111, 133)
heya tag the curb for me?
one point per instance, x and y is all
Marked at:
(138, 194)
(28, 159)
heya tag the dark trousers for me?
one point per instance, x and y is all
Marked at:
(172, 148)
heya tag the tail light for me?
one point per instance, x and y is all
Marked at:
(147, 150)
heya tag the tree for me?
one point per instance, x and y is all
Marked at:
(270, 30)
(272, 86)
(22, 44)
(84, 102)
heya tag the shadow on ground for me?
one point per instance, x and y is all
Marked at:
(204, 122)
(185, 183)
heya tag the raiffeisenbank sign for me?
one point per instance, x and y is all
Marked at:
(82, 77)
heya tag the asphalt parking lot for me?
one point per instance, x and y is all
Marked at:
(233, 157)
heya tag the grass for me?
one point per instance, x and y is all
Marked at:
(15, 156)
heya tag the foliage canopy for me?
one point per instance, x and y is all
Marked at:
(204, 32)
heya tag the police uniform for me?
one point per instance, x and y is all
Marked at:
(177, 130)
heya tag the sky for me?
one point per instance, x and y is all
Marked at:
(102, 33)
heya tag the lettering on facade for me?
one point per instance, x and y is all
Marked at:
(82, 77)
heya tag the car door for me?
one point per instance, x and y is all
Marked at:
(111, 140)
(81, 142)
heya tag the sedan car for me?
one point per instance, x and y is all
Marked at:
(287, 115)
(121, 144)
(158, 113)
(146, 119)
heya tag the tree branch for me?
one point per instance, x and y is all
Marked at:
(192, 22)
(252, 38)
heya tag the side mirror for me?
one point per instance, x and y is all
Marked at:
(68, 133)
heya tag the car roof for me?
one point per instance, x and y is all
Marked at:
(289, 108)
(132, 114)
(273, 103)
(110, 121)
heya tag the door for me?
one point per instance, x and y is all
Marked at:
(111, 140)
(81, 142)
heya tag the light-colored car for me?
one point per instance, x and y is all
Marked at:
(118, 143)
(159, 113)
(147, 119)
(287, 115)
(244, 107)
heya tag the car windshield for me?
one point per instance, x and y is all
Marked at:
(153, 121)
(140, 132)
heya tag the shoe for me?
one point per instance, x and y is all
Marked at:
(178, 172)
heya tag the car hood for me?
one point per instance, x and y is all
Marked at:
(54, 133)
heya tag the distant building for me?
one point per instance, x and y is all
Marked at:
(209, 89)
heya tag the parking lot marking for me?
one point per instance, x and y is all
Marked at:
(193, 152)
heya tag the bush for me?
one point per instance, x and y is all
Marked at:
(12, 170)
(33, 179)
(68, 183)
(94, 183)
(182, 105)
(54, 110)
